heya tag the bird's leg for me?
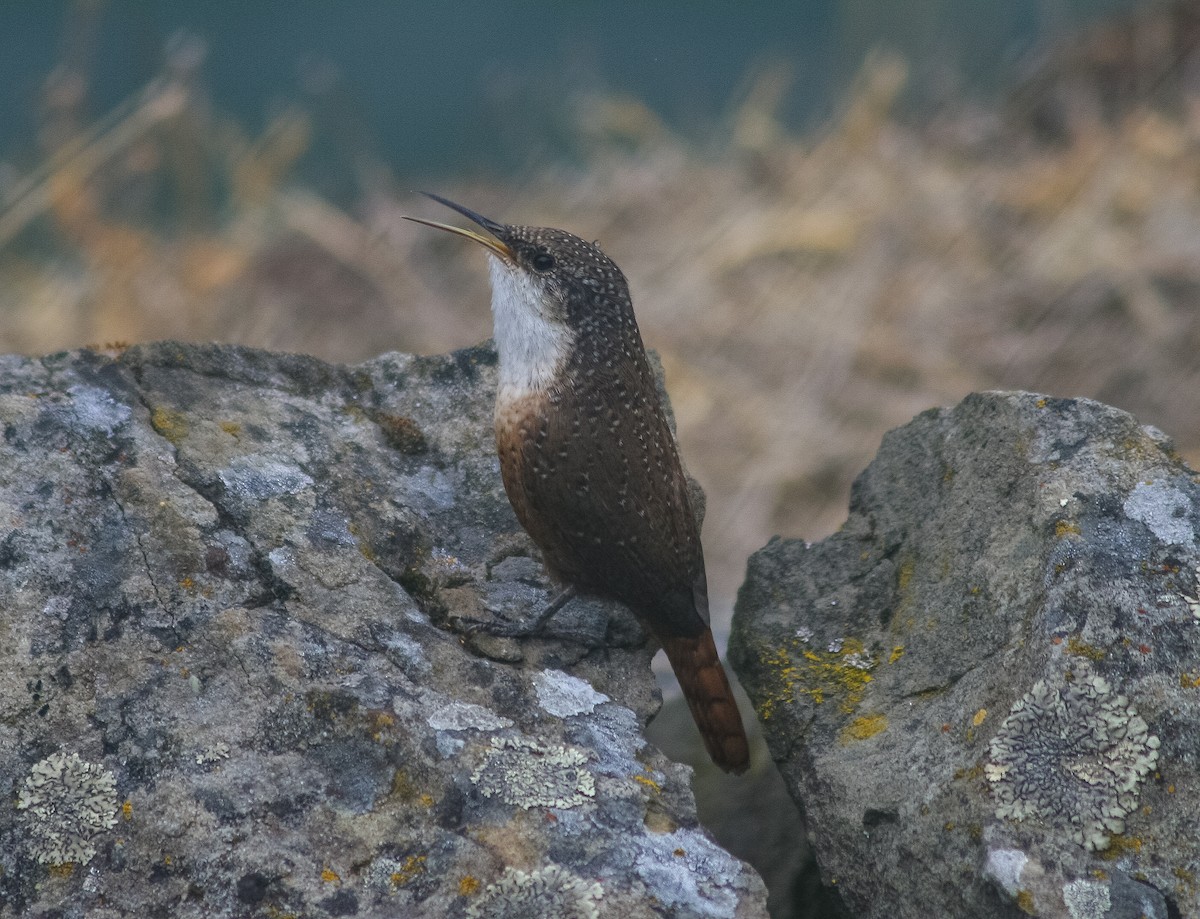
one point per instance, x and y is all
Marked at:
(533, 626)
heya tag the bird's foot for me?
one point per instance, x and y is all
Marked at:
(499, 628)
(505, 628)
(586, 630)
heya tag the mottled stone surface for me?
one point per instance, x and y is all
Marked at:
(985, 689)
(229, 578)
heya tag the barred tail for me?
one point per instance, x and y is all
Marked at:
(710, 698)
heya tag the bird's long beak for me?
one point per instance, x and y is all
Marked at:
(496, 245)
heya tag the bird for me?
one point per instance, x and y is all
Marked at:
(588, 459)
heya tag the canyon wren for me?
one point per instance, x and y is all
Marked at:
(587, 457)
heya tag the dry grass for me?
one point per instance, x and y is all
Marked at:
(806, 296)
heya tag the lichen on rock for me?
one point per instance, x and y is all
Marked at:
(69, 803)
(548, 891)
(222, 573)
(1072, 755)
(527, 774)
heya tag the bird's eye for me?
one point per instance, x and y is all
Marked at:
(543, 261)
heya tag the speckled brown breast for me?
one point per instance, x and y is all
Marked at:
(594, 477)
(521, 418)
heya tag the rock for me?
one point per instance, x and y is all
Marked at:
(752, 815)
(230, 681)
(984, 691)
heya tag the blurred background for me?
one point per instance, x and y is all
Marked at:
(833, 214)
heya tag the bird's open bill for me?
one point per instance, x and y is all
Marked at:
(491, 226)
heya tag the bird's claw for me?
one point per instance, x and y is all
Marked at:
(498, 628)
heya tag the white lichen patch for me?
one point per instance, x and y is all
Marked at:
(687, 874)
(526, 774)
(1164, 510)
(1004, 867)
(69, 804)
(548, 891)
(563, 695)
(213, 754)
(259, 477)
(466, 716)
(96, 409)
(1072, 756)
(1087, 899)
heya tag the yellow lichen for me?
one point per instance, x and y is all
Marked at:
(127, 810)
(329, 876)
(1187, 882)
(1066, 528)
(380, 723)
(364, 548)
(171, 425)
(904, 576)
(468, 885)
(1025, 902)
(649, 783)
(1079, 648)
(970, 774)
(820, 675)
(413, 865)
(863, 727)
(897, 653)
(979, 718)
(1119, 844)
(232, 428)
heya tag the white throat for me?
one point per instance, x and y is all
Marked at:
(532, 345)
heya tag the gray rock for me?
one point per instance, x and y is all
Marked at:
(985, 689)
(230, 682)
